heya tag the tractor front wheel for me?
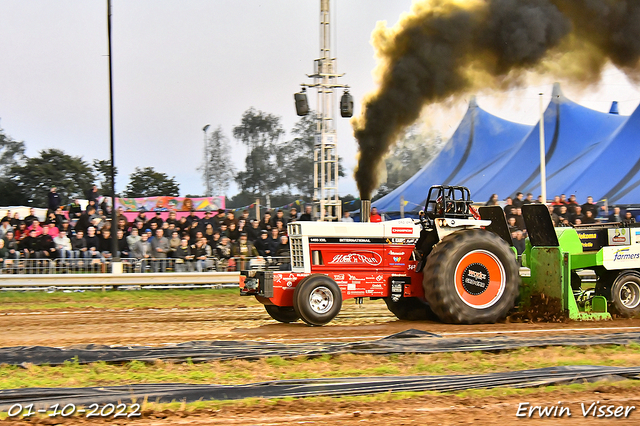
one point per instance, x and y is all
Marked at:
(625, 294)
(284, 314)
(317, 299)
(471, 277)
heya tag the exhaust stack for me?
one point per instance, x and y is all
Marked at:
(365, 210)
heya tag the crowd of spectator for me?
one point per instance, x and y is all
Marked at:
(563, 211)
(218, 239)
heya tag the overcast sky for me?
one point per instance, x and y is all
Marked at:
(181, 64)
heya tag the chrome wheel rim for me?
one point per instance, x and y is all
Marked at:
(321, 300)
(629, 294)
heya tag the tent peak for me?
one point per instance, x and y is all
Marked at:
(557, 91)
(614, 108)
(473, 103)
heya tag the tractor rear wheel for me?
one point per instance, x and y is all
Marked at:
(410, 309)
(625, 294)
(284, 314)
(471, 277)
(317, 299)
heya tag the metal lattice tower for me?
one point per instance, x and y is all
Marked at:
(325, 157)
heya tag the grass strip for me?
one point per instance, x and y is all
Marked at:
(141, 299)
(347, 365)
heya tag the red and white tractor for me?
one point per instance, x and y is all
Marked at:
(450, 262)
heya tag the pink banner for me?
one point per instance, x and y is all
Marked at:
(180, 204)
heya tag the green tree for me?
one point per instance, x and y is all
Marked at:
(11, 155)
(71, 175)
(221, 170)
(102, 170)
(409, 155)
(147, 182)
(260, 133)
(298, 156)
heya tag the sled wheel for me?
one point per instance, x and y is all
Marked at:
(410, 309)
(317, 299)
(625, 294)
(471, 277)
(282, 313)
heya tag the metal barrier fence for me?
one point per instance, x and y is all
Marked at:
(129, 265)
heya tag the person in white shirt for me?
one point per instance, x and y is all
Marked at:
(63, 245)
(346, 217)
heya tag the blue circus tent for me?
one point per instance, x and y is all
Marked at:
(614, 174)
(574, 137)
(479, 148)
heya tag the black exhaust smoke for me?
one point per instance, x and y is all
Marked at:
(446, 48)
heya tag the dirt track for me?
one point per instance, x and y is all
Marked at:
(145, 327)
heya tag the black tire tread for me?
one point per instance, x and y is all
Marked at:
(285, 314)
(410, 309)
(440, 293)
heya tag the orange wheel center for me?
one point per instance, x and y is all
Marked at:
(480, 279)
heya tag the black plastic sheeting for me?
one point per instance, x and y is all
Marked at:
(410, 341)
(44, 397)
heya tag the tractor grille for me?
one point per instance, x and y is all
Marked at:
(297, 254)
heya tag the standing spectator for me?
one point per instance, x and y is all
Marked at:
(577, 217)
(28, 220)
(46, 246)
(284, 254)
(508, 208)
(93, 244)
(253, 232)
(529, 199)
(65, 229)
(159, 247)
(346, 217)
(123, 246)
(273, 242)
(199, 253)
(54, 200)
(35, 225)
(293, 215)
(85, 219)
(279, 217)
(75, 210)
(174, 243)
(540, 200)
(375, 216)
(4, 254)
(133, 238)
(518, 201)
(142, 217)
(192, 217)
(223, 252)
(208, 232)
(233, 232)
(182, 225)
(104, 244)
(21, 232)
(29, 245)
(306, 216)
(219, 218)
(563, 214)
(79, 245)
(628, 218)
(5, 226)
(231, 218)
(172, 218)
(590, 205)
(15, 220)
(11, 244)
(588, 218)
(53, 229)
(517, 213)
(265, 223)
(493, 200)
(92, 195)
(262, 244)
(615, 216)
(7, 217)
(243, 250)
(208, 220)
(557, 204)
(142, 248)
(165, 230)
(572, 204)
(157, 219)
(183, 255)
